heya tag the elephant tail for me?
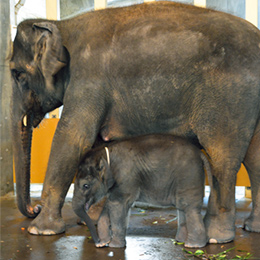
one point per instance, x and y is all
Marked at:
(207, 168)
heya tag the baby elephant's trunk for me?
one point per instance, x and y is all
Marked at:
(84, 216)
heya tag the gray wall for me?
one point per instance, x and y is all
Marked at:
(6, 156)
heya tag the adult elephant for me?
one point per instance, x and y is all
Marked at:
(151, 68)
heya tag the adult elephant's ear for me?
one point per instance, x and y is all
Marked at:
(50, 54)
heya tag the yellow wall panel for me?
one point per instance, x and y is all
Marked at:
(41, 147)
(242, 177)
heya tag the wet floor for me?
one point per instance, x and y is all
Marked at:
(149, 237)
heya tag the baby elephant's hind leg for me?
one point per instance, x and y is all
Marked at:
(182, 227)
(196, 233)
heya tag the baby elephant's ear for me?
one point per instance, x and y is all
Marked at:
(101, 167)
(105, 174)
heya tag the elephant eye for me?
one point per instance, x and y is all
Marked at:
(86, 186)
(18, 75)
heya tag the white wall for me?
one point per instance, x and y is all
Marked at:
(30, 9)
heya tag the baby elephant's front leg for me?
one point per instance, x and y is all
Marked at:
(103, 227)
(118, 220)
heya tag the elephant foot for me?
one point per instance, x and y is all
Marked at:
(195, 237)
(117, 243)
(195, 244)
(181, 234)
(46, 225)
(199, 241)
(220, 228)
(252, 224)
(35, 231)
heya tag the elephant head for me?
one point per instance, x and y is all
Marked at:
(93, 181)
(39, 68)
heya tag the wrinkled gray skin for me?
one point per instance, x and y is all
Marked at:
(80, 211)
(160, 67)
(157, 169)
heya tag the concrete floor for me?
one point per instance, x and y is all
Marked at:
(149, 237)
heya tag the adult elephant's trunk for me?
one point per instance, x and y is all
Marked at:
(22, 137)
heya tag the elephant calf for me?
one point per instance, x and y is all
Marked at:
(157, 169)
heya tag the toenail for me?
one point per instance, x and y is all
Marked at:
(33, 231)
(48, 232)
(213, 241)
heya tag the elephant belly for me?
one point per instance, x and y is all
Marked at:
(157, 198)
(123, 125)
(112, 131)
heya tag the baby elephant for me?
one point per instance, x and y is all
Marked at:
(160, 170)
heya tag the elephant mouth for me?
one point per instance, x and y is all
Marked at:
(36, 110)
(35, 122)
(88, 205)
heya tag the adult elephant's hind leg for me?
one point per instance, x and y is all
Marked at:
(252, 164)
(220, 217)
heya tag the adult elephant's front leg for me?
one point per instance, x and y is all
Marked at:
(67, 148)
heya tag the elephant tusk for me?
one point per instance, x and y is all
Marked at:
(107, 153)
(25, 120)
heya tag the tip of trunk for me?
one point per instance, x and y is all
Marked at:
(84, 216)
(29, 211)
